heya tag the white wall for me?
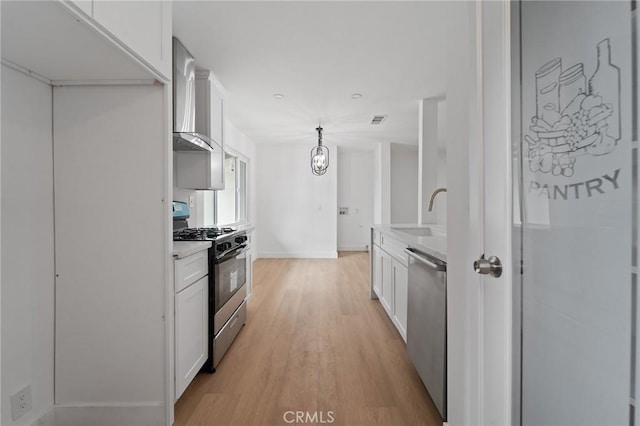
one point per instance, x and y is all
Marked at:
(355, 191)
(27, 244)
(239, 143)
(404, 183)
(297, 211)
(197, 210)
(226, 199)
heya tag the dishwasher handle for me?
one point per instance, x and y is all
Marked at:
(428, 260)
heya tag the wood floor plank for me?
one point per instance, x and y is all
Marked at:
(314, 342)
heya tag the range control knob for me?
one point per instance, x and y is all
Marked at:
(241, 239)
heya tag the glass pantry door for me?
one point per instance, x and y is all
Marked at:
(576, 213)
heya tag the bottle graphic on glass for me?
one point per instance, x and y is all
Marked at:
(605, 82)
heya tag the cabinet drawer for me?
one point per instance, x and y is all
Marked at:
(375, 237)
(395, 249)
(190, 269)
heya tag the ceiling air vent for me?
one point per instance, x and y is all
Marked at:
(378, 119)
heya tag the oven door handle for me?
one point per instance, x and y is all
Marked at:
(232, 253)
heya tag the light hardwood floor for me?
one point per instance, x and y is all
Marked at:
(313, 342)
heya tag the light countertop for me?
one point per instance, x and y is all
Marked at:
(186, 248)
(247, 227)
(434, 245)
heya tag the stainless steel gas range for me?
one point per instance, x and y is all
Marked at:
(227, 280)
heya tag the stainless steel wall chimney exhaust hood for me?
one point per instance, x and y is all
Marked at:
(185, 138)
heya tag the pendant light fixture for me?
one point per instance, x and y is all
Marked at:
(319, 156)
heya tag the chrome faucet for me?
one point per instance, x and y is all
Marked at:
(433, 197)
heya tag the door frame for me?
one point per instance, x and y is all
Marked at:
(492, 398)
(479, 309)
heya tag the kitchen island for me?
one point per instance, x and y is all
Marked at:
(409, 277)
(390, 261)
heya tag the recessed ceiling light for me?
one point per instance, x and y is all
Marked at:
(356, 96)
(278, 96)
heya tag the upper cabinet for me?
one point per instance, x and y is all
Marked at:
(209, 107)
(85, 6)
(143, 26)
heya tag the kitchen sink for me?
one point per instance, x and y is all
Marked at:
(417, 232)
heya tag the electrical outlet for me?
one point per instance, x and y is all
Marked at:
(20, 402)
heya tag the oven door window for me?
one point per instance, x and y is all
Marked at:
(230, 275)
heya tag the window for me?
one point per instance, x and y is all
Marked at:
(231, 203)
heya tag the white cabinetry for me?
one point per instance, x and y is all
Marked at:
(200, 170)
(389, 278)
(376, 270)
(85, 6)
(191, 318)
(190, 268)
(387, 283)
(400, 298)
(191, 332)
(143, 27)
(209, 106)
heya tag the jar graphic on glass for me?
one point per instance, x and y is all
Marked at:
(605, 82)
(548, 91)
(572, 83)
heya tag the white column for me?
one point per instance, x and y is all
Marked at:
(382, 184)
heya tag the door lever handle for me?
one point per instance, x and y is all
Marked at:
(491, 266)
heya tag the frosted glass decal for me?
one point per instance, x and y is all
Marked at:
(572, 120)
(575, 106)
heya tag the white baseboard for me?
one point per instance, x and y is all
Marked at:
(62, 415)
(300, 255)
(354, 248)
(47, 419)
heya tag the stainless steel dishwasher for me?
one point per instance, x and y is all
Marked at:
(427, 324)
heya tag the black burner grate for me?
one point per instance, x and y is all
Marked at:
(200, 234)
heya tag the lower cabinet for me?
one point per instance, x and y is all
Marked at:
(191, 322)
(400, 297)
(387, 282)
(390, 279)
(376, 270)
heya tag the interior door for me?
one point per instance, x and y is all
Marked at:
(575, 220)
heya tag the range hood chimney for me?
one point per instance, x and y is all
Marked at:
(185, 137)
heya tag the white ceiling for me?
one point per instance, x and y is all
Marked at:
(318, 54)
